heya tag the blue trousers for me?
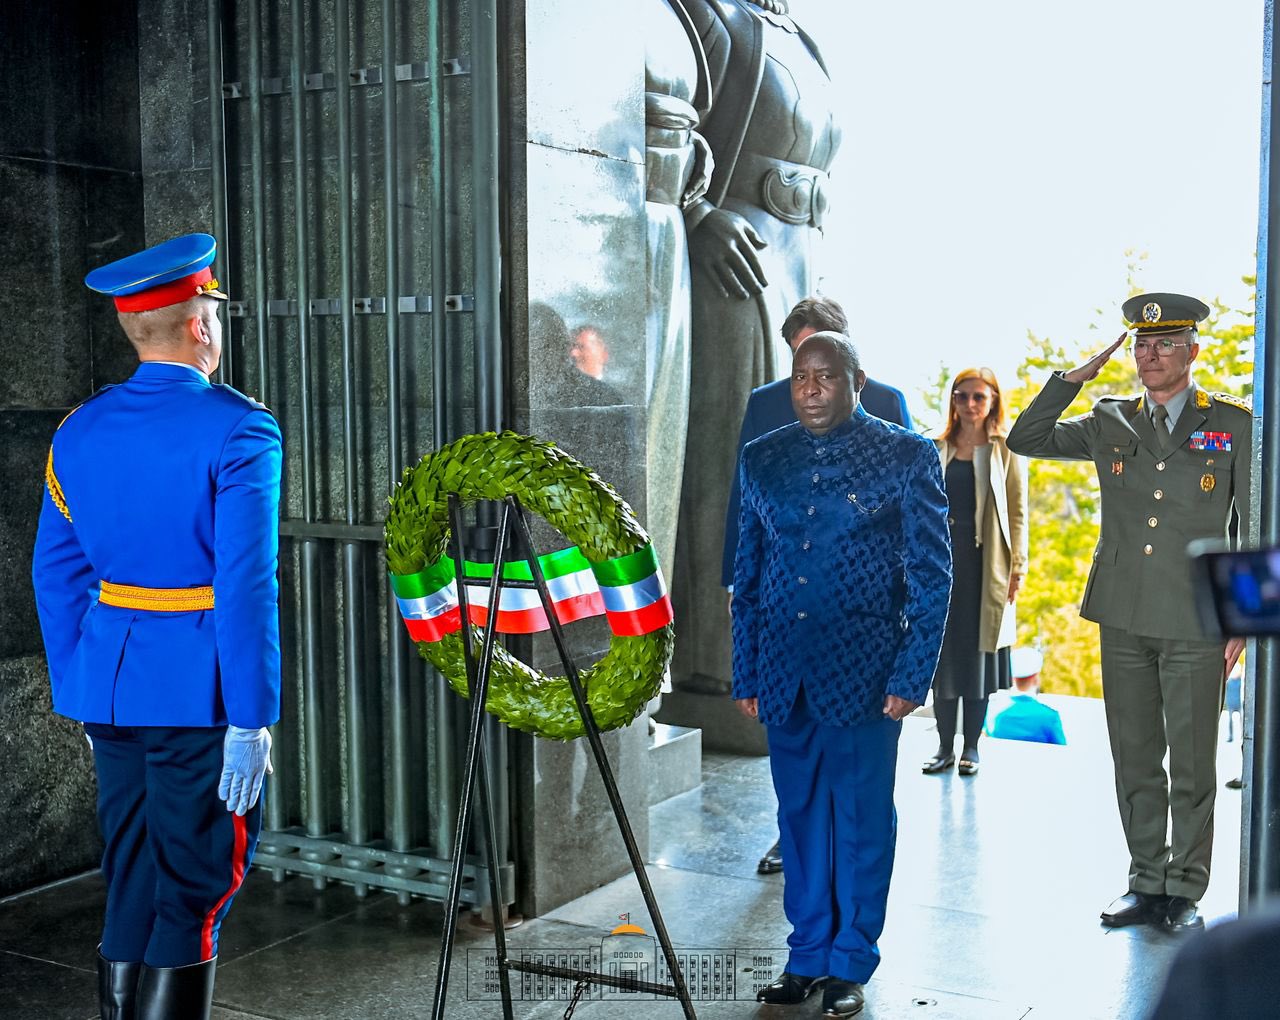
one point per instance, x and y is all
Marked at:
(174, 855)
(838, 830)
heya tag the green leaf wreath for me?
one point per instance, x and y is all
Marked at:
(585, 509)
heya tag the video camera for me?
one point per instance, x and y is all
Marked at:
(1237, 591)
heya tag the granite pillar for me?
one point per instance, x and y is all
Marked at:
(70, 200)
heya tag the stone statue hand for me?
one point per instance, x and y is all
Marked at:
(727, 245)
(700, 177)
(1091, 368)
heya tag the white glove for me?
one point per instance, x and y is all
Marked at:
(246, 761)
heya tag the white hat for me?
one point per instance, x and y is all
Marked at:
(1025, 662)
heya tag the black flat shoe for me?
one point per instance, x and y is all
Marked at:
(1181, 915)
(842, 999)
(968, 763)
(1135, 908)
(771, 862)
(938, 763)
(788, 989)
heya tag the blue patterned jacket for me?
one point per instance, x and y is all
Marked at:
(164, 481)
(843, 571)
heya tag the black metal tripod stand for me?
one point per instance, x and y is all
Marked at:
(478, 683)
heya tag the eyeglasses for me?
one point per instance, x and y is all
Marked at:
(1161, 348)
(975, 398)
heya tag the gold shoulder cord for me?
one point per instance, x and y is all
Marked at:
(55, 490)
(51, 479)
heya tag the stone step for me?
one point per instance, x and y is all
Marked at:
(675, 761)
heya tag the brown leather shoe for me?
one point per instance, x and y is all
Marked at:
(788, 989)
(1181, 915)
(1134, 908)
(842, 999)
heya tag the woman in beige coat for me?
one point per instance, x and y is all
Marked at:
(987, 492)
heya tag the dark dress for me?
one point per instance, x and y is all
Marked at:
(963, 670)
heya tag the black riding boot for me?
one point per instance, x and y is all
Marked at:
(176, 993)
(117, 988)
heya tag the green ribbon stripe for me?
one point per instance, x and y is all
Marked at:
(626, 569)
(440, 573)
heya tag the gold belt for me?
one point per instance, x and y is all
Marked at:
(161, 600)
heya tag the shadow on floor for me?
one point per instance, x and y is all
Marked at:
(993, 912)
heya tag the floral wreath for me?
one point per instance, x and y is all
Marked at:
(610, 570)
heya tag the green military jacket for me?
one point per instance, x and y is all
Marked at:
(1156, 496)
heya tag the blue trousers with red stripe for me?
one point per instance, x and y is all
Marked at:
(174, 855)
(838, 831)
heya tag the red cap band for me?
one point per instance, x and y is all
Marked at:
(172, 293)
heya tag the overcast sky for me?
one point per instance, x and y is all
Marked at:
(1000, 157)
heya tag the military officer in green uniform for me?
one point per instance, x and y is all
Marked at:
(1173, 464)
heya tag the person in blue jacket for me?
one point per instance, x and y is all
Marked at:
(769, 407)
(1023, 716)
(841, 587)
(155, 583)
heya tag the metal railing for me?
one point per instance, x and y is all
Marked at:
(366, 752)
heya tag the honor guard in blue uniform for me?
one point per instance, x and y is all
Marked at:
(841, 583)
(155, 581)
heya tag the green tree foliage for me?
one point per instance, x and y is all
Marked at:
(1064, 503)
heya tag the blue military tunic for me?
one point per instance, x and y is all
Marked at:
(164, 482)
(843, 570)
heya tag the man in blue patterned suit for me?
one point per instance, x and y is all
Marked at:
(768, 408)
(155, 581)
(841, 584)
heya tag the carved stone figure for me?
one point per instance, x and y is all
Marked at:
(752, 248)
(678, 165)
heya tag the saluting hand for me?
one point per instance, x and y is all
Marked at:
(1091, 368)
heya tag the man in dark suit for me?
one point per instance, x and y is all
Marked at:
(769, 408)
(841, 585)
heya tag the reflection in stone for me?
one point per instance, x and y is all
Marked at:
(589, 352)
(569, 384)
(752, 246)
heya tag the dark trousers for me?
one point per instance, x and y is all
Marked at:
(174, 855)
(838, 829)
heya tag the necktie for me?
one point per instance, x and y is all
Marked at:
(1160, 418)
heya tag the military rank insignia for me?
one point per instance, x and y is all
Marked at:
(1211, 441)
(1206, 482)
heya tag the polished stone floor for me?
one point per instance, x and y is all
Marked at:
(993, 912)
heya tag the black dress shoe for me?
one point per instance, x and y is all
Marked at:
(842, 999)
(938, 763)
(1181, 915)
(788, 989)
(771, 862)
(1235, 784)
(1134, 908)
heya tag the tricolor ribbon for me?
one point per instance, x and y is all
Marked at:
(629, 591)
